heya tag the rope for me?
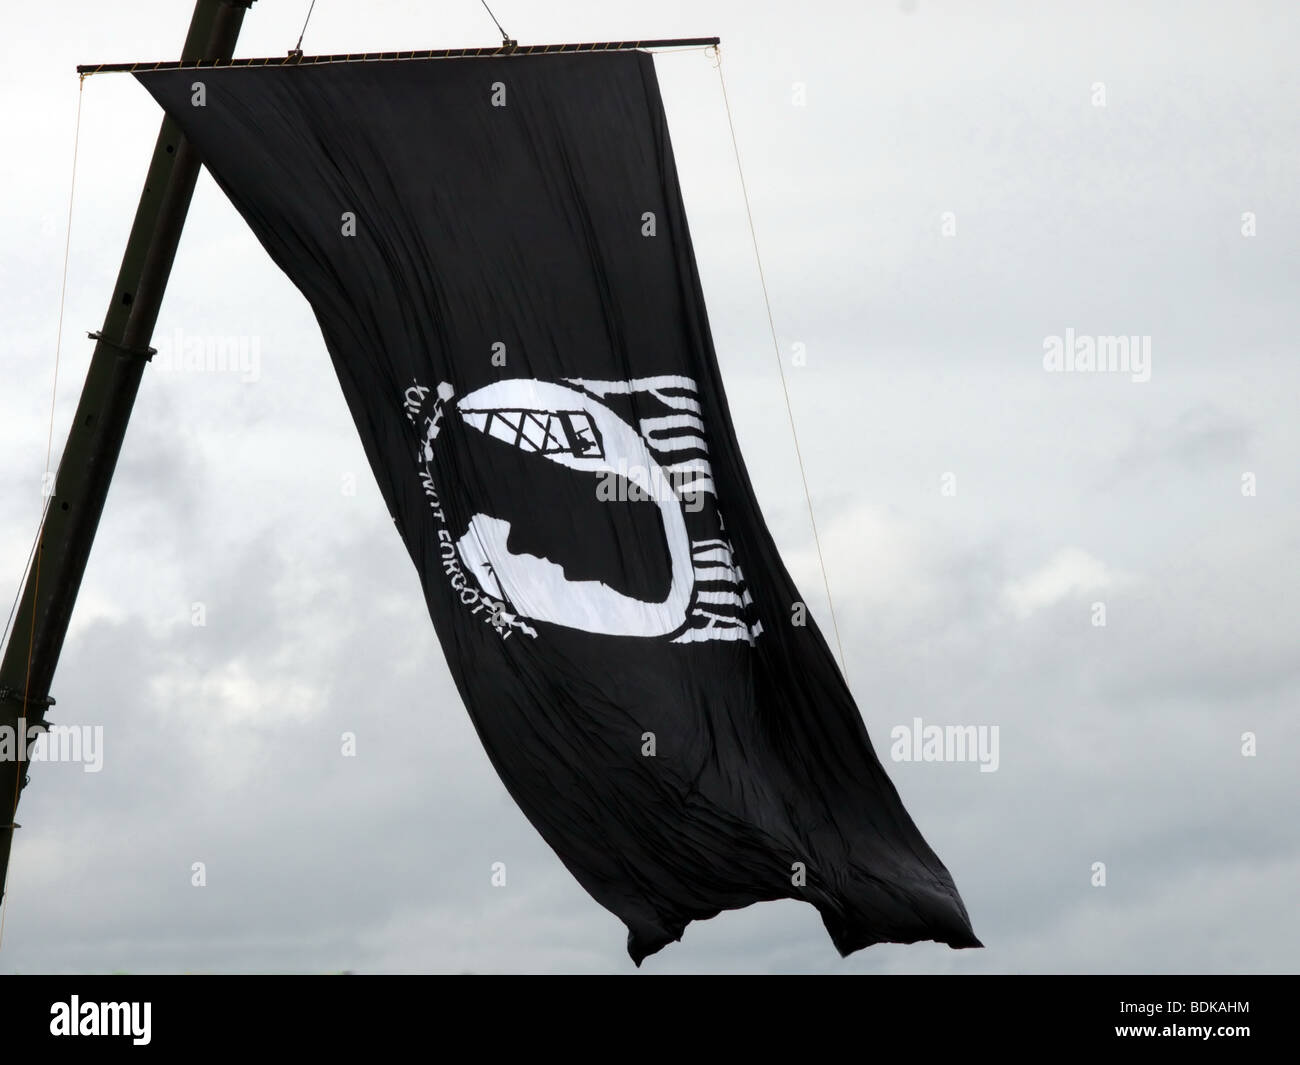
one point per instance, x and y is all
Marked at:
(27, 568)
(63, 286)
(297, 48)
(49, 449)
(776, 348)
(504, 36)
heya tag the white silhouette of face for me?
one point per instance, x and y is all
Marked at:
(536, 587)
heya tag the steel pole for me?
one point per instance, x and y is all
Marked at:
(95, 439)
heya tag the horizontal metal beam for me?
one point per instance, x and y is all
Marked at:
(292, 60)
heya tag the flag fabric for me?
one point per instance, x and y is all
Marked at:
(497, 253)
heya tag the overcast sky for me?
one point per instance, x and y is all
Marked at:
(1100, 164)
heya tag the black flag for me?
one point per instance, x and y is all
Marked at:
(497, 254)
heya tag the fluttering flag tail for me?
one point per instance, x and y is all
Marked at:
(497, 253)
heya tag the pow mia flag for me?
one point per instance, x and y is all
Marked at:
(497, 253)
